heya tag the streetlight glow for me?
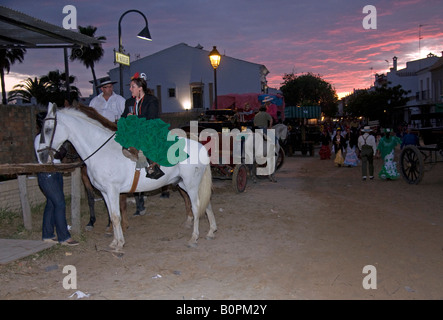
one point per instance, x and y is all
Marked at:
(215, 57)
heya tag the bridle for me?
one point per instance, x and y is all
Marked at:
(49, 148)
(52, 151)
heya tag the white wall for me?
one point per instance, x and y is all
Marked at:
(180, 65)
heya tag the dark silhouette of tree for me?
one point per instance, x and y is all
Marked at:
(7, 58)
(89, 56)
(309, 90)
(377, 104)
(55, 83)
(28, 89)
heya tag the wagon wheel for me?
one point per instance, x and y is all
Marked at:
(411, 163)
(239, 178)
(280, 159)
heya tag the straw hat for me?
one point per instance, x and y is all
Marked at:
(366, 129)
(267, 99)
(105, 81)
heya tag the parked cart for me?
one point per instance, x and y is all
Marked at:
(415, 160)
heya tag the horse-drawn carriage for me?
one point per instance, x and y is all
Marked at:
(302, 136)
(225, 136)
(415, 160)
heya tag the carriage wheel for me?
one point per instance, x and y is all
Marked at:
(412, 166)
(280, 159)
(239, 178)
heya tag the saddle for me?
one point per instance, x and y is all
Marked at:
(153, 170)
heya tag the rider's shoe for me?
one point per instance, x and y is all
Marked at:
(154, 171)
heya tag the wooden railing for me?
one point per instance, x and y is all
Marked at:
(24, 169)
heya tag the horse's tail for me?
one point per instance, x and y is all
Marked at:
(204, 191)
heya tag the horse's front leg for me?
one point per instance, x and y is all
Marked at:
(112, 201)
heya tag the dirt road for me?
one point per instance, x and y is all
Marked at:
(308, 236)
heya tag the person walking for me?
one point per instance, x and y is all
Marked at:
(325, 151)
(339, 145)
(368, 149)
(386, 148)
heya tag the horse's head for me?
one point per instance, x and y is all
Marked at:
(49, 141)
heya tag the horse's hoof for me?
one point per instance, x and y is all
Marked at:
(89, 228)
(210, 237)
(192, 245)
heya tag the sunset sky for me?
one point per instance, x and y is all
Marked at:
(287, 36)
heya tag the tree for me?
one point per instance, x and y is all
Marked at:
(7, 58)
(55, 83)
(378, 104)
(28, 89)
(309, 89)
(89, 56)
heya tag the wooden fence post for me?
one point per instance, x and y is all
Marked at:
(26, 208)
(75, 200)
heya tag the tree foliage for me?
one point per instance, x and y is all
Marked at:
(7, 58)
(89, 56)
(49, 88)
(309, 89)
(378, 104)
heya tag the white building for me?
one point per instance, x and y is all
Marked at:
(416, 77)
(182, 77)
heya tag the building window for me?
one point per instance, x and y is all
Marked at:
(171, 92)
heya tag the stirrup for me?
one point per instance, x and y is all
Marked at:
(154, 171)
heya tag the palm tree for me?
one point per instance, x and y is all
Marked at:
(55, 83)
(7, 58)
(89, 56)
(28, 89)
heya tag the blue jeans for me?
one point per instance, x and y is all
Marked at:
(54, 216)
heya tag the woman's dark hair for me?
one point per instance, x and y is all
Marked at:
(142, 83)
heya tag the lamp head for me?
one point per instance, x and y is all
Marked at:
(145, 34)
(214, 57)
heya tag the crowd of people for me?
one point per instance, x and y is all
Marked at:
(352, 142)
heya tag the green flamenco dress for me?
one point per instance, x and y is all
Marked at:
(151, 136)
(387, 147)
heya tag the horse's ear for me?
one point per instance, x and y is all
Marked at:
(52, 108)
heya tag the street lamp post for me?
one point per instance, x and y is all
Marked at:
(215, 57)
(144, 34)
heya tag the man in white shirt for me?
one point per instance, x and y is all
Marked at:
(108, 103)
(368, 149)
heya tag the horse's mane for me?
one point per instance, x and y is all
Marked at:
(94, 115)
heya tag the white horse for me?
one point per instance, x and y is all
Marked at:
(261, 150)
(112, 173)
(281, 132)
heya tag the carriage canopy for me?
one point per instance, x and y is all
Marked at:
(238, 100)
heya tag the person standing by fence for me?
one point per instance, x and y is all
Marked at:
(51, 184)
